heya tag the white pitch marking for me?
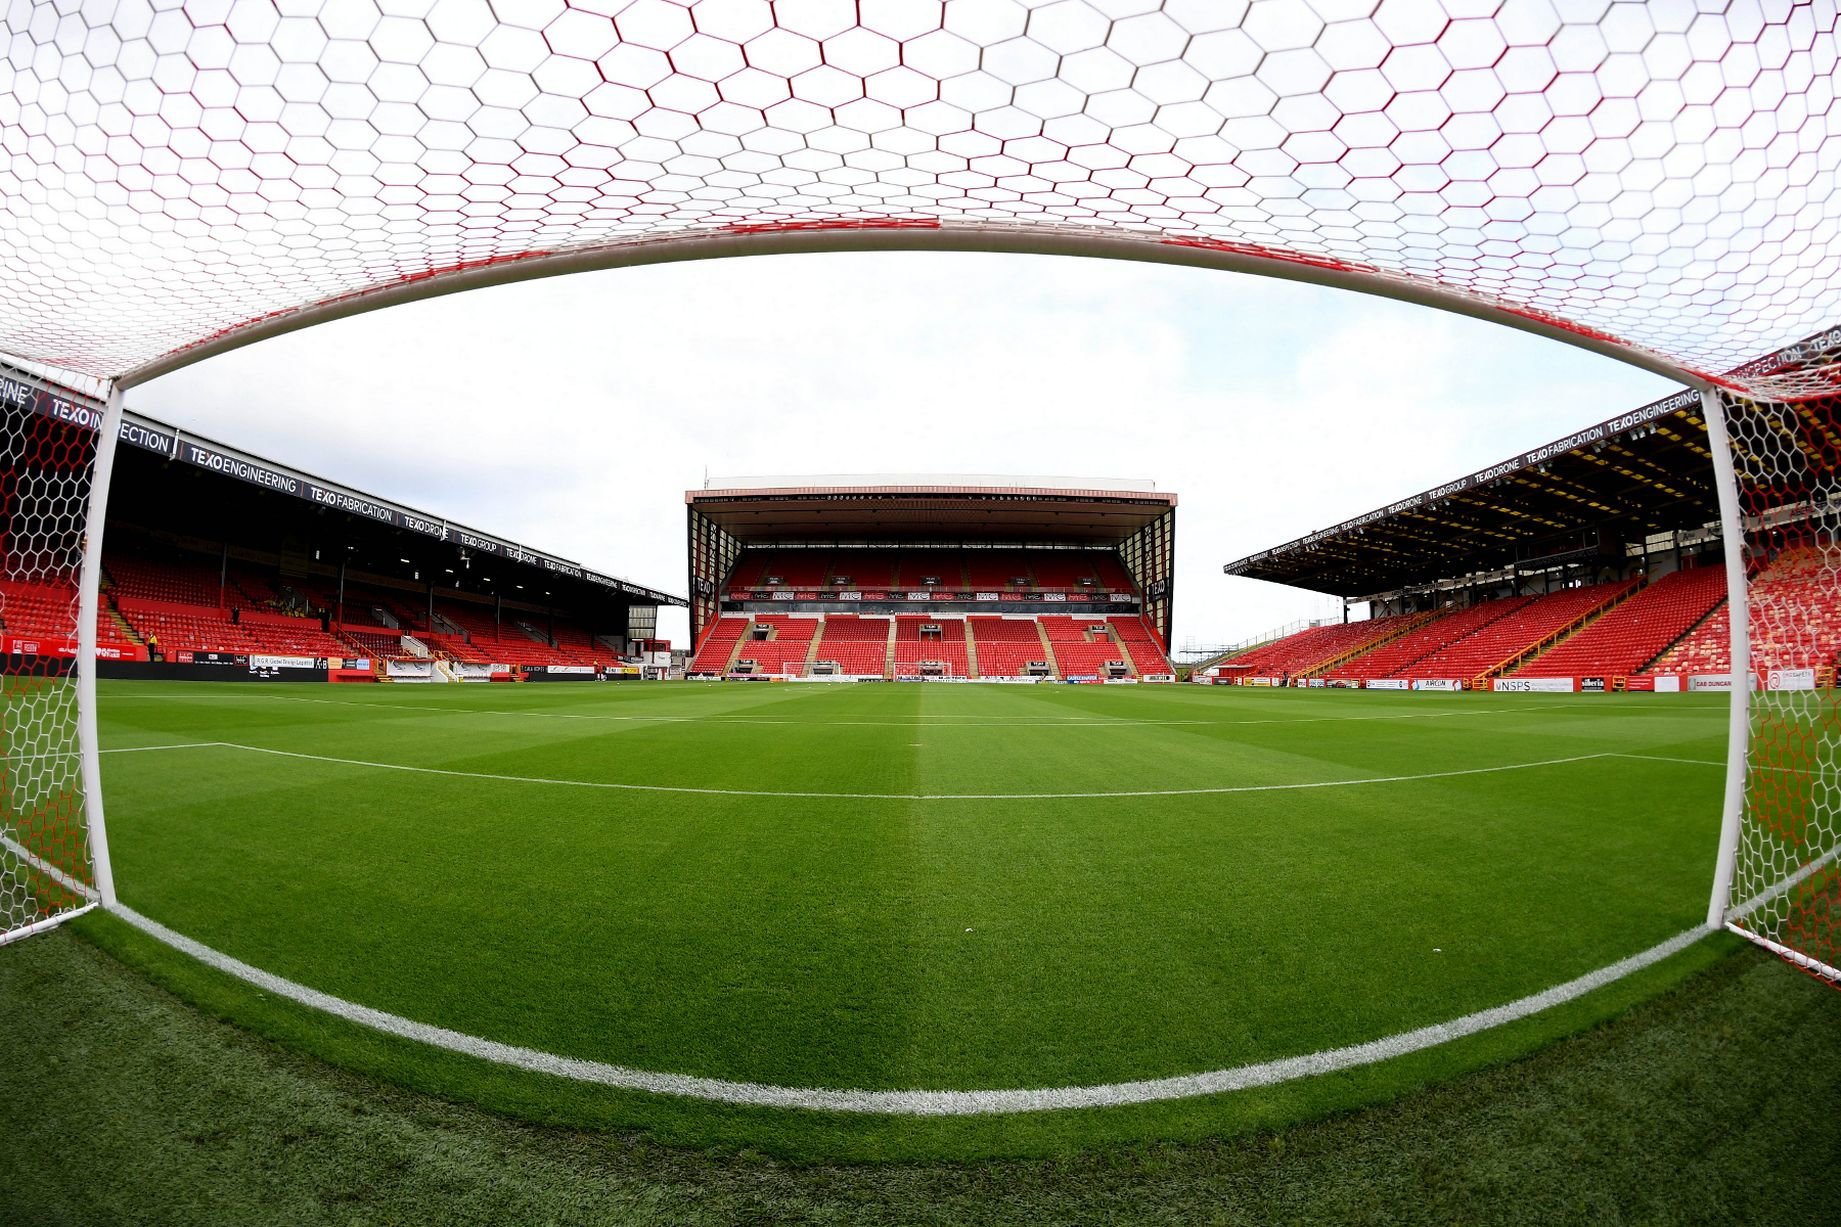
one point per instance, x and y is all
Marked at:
(46, 867)
(184, 745)
(894, 796)
(1033, 721)
(1818, 772)
(1782, 888)
(917, 1103)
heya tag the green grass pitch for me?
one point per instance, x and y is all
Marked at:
(895, 887)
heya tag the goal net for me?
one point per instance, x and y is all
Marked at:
(48, 446)
(1785, 883)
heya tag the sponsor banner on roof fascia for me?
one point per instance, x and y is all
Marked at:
(358, 505)
(171, 444)
(1533, 685)
(149, 437)
(44, 399)
(1792, 355)
(1388, 683)
(244, 469)
(1792, 679)
(1687, 399)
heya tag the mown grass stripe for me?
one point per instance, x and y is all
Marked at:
(918, 1102)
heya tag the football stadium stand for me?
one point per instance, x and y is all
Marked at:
(1637, 631)
(855, 645)
(219, 565)
(1792, 613)
(1009, 647)
(31, 611)
(1316, 648)
(160, 606)
(1500, 642)
(1084, 647)
(930, 646)
(168, 580)
(865, 569)
(777, 645)
(1142, 651)
(1399, 656)
(494, 640)
(817, 571)
(901, 579)
(997, 570)
(1090, 602)
(1705, 649)
(718, 646)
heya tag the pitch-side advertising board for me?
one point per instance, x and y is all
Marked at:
(1534, 685)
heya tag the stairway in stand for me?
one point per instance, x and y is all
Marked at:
(1048, 653)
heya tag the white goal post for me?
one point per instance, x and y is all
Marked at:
(57, 449)
(1778, 469)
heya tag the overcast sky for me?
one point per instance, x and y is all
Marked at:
(571, 414)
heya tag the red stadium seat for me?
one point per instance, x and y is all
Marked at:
(1635, 632)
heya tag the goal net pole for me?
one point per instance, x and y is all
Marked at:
(1738, 740)
(89, 602)
(1777, 464)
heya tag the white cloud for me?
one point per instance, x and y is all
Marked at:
(571, 414)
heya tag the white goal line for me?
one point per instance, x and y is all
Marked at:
(918, 1102)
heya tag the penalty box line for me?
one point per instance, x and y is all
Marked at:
(550, 781)
(916, 1102)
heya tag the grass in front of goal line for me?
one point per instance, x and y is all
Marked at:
(890, 942)
(1710, 1103)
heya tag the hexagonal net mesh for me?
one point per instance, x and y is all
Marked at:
(46, 463)
(1786, 881)
(1651, 176)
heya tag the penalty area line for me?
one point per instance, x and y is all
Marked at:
(554, 782)
(915, 1102)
